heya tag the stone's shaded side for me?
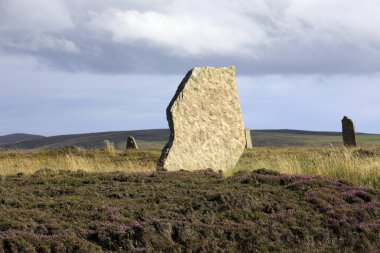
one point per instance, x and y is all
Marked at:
(248, 138)
(348, 132)
(206, 125)
(131, 143)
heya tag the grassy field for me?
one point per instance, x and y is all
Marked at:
(360, 166)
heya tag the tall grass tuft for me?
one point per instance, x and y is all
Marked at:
(360, 166)
(29, 162)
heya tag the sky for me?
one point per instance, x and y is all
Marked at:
(76, 66)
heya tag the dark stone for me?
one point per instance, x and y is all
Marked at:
(131, 143)
(348, 132)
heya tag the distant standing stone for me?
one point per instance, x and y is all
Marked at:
(248, 138)
(131, 143)
(205, 120)
(348, 132)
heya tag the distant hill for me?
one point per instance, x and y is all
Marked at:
(146, 139)
(287, 137)
(15, 138)
(303, 132)
(156, 138)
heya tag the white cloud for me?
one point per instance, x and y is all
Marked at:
(284, 39)
(36, 26)
(338, 21)
(247, 28)
(34, 15)
(275, 36)
(184, 34)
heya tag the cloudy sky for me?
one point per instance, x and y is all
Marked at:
(73, 66)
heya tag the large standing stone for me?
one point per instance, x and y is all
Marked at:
(131, 143)
(248, 138)
(348, 132)
(206, 125)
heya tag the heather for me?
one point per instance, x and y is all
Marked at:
(260, 211)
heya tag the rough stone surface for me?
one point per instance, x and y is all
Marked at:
(348, 132)
(205, 122)
(248, 138)
(131, 143)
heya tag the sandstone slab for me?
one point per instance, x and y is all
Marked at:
(205, 121)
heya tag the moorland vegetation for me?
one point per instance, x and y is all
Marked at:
(360, 165)
(284, 199)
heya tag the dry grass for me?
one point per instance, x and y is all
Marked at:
(106, 160)
(360, 166)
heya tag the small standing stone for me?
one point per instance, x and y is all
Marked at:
(248, 138)
(348, 132)
(131, 143)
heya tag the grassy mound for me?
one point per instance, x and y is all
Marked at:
(263, 211)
